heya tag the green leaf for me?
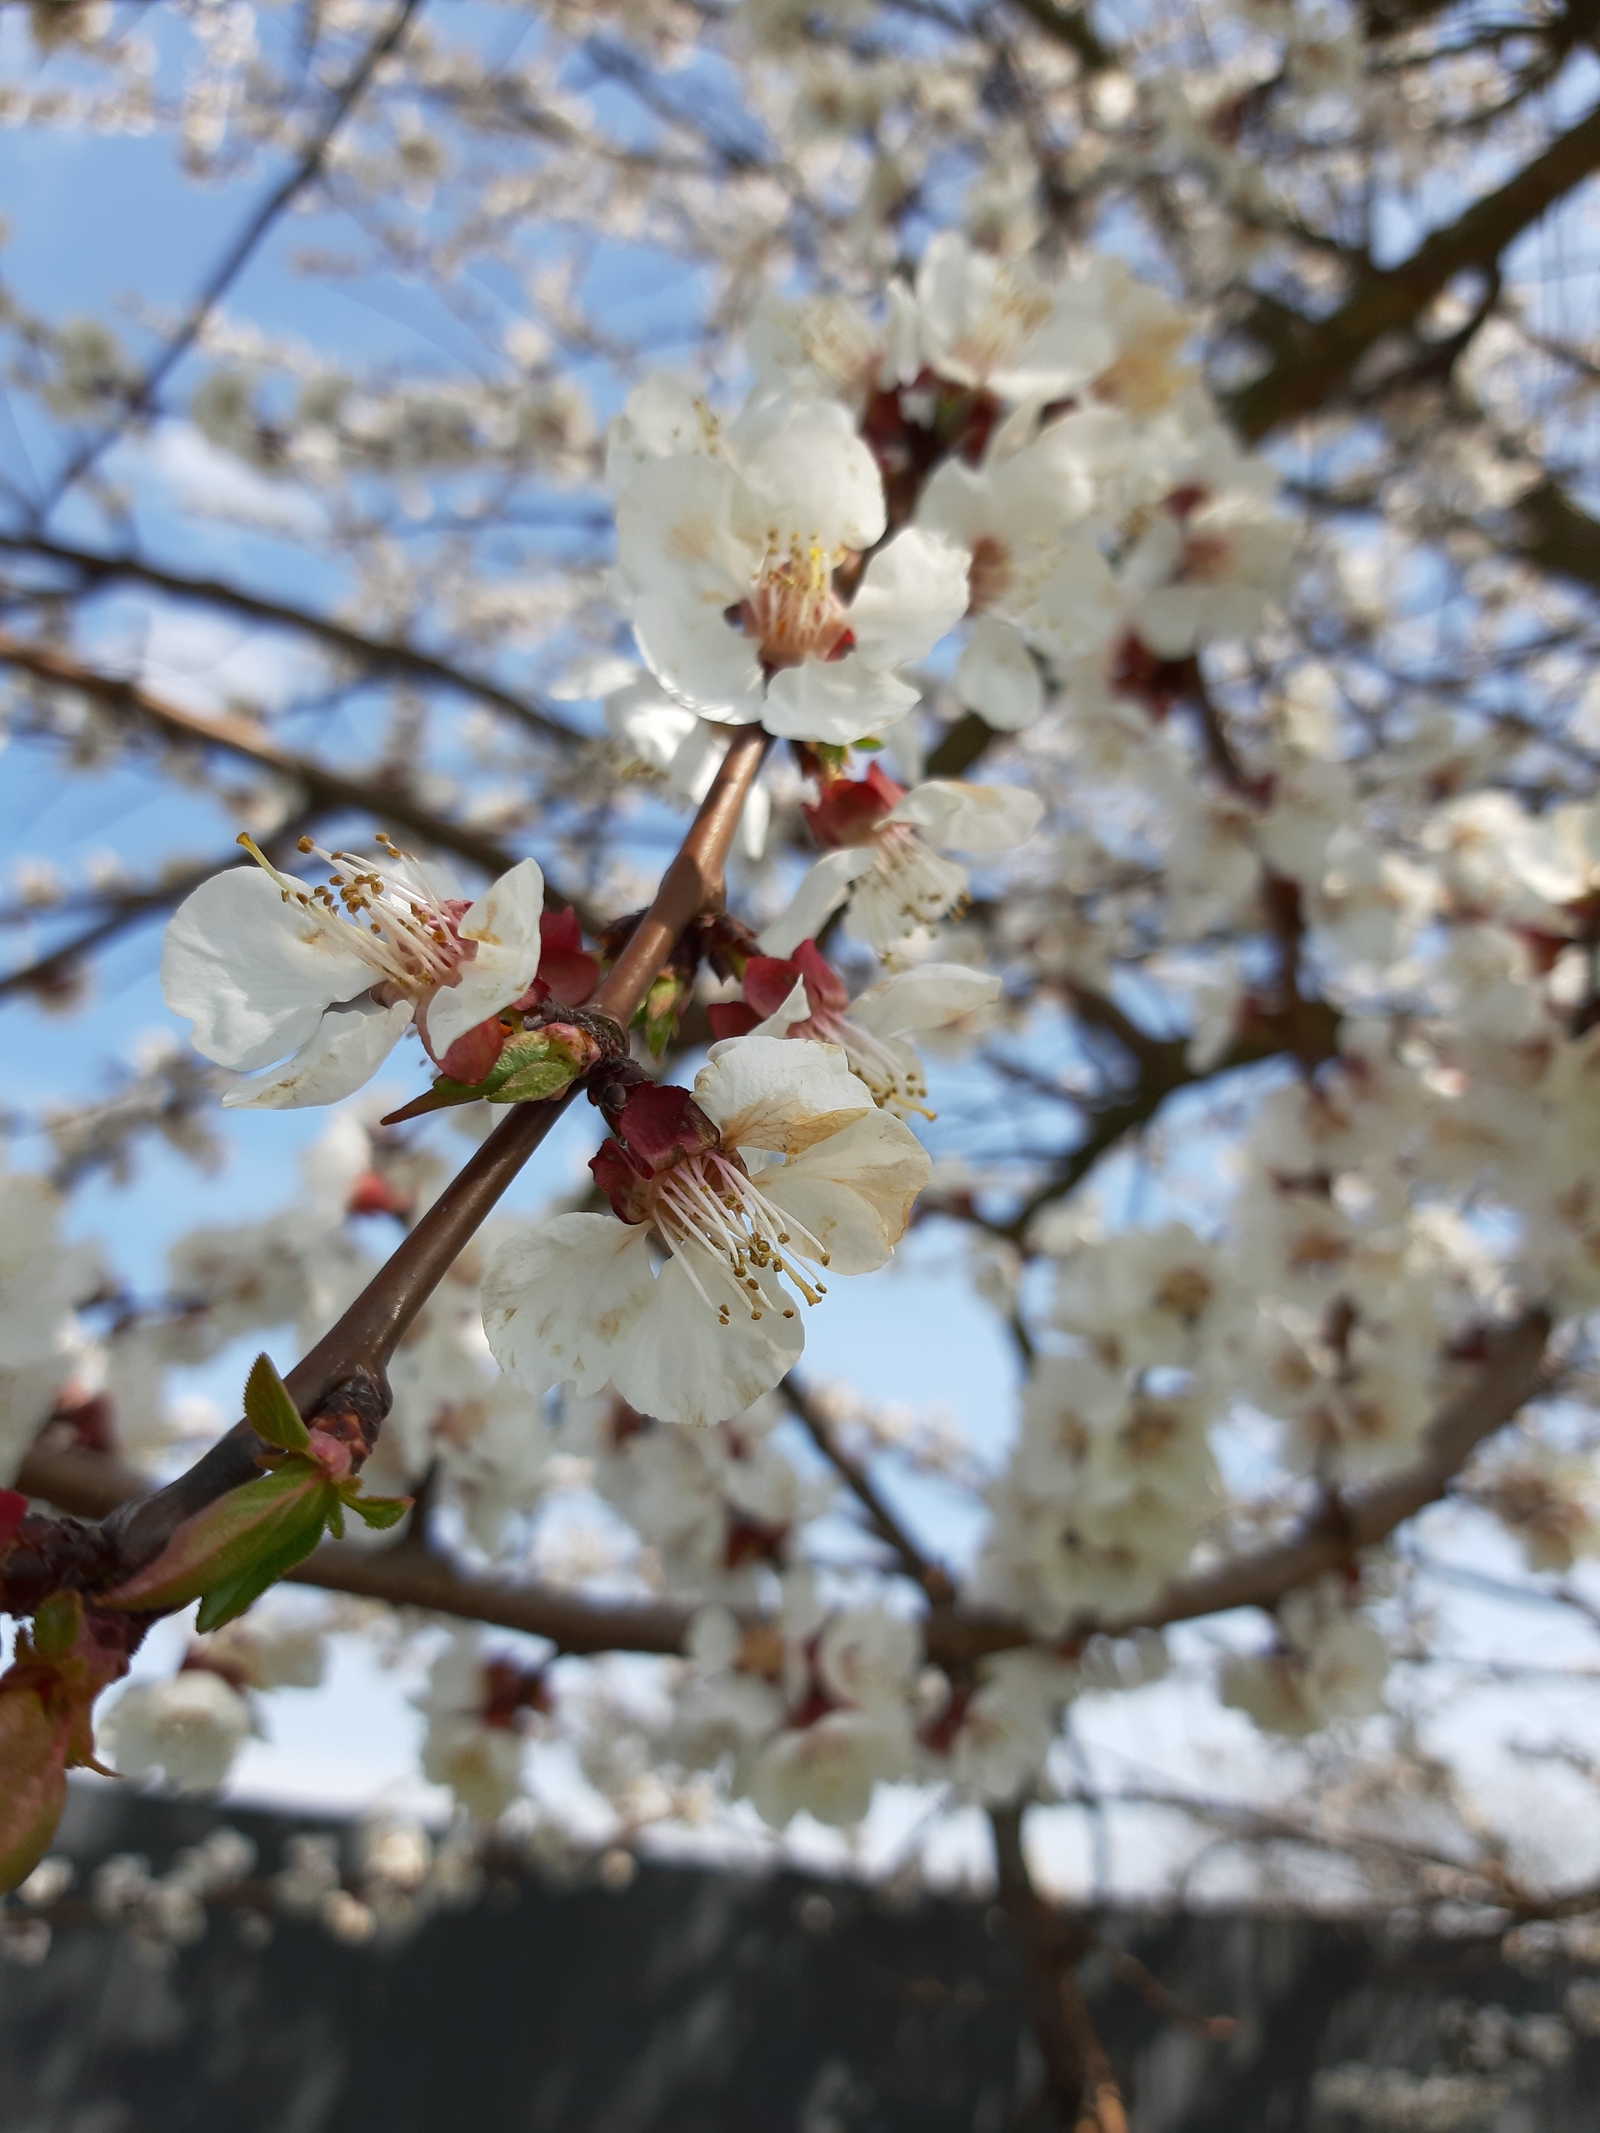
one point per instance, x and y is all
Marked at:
(547, 1077)
(229, 1536)
(441, 1097)
(662, 1006)
(380, 1512)
(270, 1411)
(33, 1782)
(246, 1586)
(56, 1622)
(336, 1517)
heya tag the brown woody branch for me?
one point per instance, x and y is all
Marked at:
(347, 1366)
(325, 789)
(1080, 2084)
(379, 654)
(1313, 360)
(1514, 1371)
(129, 907)
(1071, 26)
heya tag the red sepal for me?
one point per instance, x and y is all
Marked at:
(565, 966)
(13, 1510)
(731, 1018)
(469, 1059)
(622, 1180)
(824, 986)
(768, 982)
(660, 1122)
(373, 1194)
(850, 809)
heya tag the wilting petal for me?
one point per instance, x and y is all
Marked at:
(914, 590)
(559, 1300)
(971, 818)
(853, 1192)
(341, 1055)
(766, 1093)
(678, 1361)
(819, 895)
(925, 997)
(252, 972)
(997, 677)
(504, 924)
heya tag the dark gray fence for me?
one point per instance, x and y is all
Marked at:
(695, 2002)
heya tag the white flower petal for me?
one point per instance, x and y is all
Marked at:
(854, 1191)
(971, 818)
(924, 998)
(838, 701)
(1078, 607)
(251, 972)
(1171, 622)
(676, 535)
(998, 677)
(559, 1300)
(797, 1008)
(1071, 348)
(665, 416)
(504, 924)
(648, 721)
(764, 1092)
(819, 895)
(913, 591)
(341, 1055)
(699, 660)
(810, 477)
(678, 1361)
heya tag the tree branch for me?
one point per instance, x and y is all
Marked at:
(381, 654)
(325, 789)
(92, 1485)
(1313, 359)
(1082, 2088)
(347, 1366)
(802, 1404)
(239, 253)
(130, 906)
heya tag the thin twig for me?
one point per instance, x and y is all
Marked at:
(283, 196)
(378, 653)
(349, 1363)
(326, 789)
(802, 1404)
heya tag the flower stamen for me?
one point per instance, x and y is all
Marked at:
(707, 1209)
(392, 917)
